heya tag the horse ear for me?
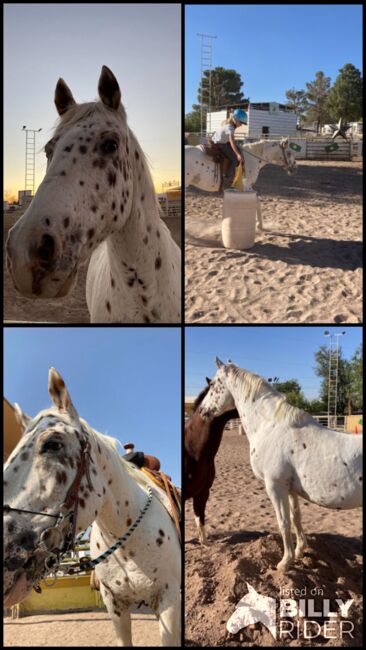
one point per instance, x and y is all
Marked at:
(108, 89)
(63, 97)
(59, 394)
(219, 363)
(22, 418)
(208, 381)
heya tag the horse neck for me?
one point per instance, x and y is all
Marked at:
(123, 498)
(144, 243)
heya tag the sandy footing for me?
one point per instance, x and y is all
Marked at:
(305, 266)
(91, 629)
(245, 547)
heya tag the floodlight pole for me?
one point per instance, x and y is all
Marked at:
(30, 155)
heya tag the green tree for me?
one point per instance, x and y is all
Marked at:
(297, 102)
(345, 96)
(192, 122)
(225, 89)
(355, 401)
(294, 395)
(317, 96)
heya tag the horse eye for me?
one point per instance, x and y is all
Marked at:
(110, 146)
(51, 445)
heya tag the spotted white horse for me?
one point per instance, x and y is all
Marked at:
(63, 476)
(201, 171)
(97, 199)
(289, 450)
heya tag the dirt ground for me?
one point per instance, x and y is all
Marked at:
(305, 266)
(90, 629)
(245, 547)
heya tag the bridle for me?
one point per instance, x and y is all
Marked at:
(288, 166)
(68, 509)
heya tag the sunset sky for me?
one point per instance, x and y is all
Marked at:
(140, 43)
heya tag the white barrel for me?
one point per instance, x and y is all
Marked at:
(239, 219)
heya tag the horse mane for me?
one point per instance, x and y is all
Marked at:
(251, 386)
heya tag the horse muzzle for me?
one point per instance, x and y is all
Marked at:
(41, 270)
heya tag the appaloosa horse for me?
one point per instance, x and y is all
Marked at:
(63, 476)
(289, 450)
(201, 171)
(202, 439)
(97, 199)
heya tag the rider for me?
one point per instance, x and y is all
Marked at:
(224, 139)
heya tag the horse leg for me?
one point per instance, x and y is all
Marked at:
(199, 506)
(169, 618)
(259, 213)
(296, 522)
(120, 616)
(280, 500)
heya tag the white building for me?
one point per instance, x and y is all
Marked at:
(265, 120)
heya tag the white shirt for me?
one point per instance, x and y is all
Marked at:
(223, 133)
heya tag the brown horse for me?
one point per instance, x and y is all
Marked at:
(201, 442)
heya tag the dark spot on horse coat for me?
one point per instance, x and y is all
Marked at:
(98, 545)
(83, 149)
(108, 305)
(158, 262)
(159, 541)
(99, 162)
(129, 521)
(61, 477)
(126, 503)
(161, 533)
(111, 178)
(66, 222)
(304, 445)
(82, 503)
(112, 282)
(145, 239)
(69, 147)
(81, 182)
(137, 156)
(91, 232)
(24, 456)
(63, 173)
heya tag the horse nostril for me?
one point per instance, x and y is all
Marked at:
(46, 250)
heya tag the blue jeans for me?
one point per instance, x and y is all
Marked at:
(231, 155)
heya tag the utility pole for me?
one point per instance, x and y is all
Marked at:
(333, 368)
(206, 64)
(30, 157)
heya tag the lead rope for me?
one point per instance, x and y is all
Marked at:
(86, 564)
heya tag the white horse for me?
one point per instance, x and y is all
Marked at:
(289, 450)
(201, 171)
(97, 199)
(62, 476)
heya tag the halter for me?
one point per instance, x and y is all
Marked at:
(69, 509)
(287, 162)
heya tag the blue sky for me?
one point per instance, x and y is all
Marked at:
(139, 42)
(284, 352)
(125, 382)
(273, 47)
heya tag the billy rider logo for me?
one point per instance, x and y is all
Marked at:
(255, 608)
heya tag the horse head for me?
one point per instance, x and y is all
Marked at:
(218, 398)
(44, 478)
(288, 156)
(86, 194)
